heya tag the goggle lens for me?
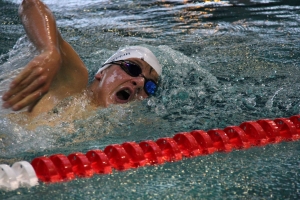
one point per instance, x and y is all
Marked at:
(135, 70)
(150, 87)
(132, 69)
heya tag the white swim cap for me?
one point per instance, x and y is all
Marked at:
(135, 52)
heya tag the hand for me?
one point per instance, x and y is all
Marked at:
(33, 82)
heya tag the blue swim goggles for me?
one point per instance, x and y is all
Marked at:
(135, 70)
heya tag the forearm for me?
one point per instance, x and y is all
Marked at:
(48, 70)
(40, 26)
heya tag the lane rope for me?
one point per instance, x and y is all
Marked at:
(60, 168)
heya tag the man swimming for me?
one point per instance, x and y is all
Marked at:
(58, 72)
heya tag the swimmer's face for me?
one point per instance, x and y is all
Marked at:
(114, 86)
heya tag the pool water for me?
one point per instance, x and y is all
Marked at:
(224, 62)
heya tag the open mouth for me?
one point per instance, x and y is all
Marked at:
(123, 95)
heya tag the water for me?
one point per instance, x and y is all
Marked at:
(225, 62)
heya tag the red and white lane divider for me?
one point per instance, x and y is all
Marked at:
(20, 174)
(59, 167)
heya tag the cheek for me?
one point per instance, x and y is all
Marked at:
(112, 78)
(109, 81)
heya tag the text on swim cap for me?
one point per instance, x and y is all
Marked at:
(120, 56)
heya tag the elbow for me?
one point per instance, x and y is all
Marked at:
(27, 4)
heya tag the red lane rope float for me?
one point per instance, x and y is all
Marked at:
(204, 141)
(220, 140)
(63, 166)
(136, 154)
(170, 150)
(188, 145)
(287, 128)
(58, 167)
(99, 161)
(152, 152)
(237, 137)
(81, 165)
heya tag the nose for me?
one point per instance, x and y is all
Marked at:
(138, 82)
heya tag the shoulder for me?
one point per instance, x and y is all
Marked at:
(73, 72)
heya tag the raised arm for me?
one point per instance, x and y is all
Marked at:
(38, 75)
(40, 25)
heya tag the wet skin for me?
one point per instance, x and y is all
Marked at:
(58, 72)
(114, 86)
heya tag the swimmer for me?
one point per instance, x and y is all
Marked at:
(58, 72)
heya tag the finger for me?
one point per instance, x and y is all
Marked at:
(33, 98)
(38, 84)
(23, 75)
(23, 84)
(11, 92)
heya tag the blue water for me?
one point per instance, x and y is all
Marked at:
(225, 62)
